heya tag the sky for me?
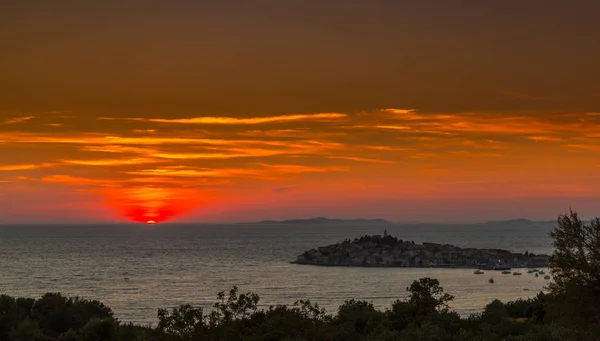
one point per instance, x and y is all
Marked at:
(226, 111)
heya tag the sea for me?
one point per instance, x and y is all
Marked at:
(136, 269)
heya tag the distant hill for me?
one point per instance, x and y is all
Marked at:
(321, 220)
(520, 221)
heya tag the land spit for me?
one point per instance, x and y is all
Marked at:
(388, 251)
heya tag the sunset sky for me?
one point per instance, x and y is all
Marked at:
(206, 111)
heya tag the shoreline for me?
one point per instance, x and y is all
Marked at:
(415, 266)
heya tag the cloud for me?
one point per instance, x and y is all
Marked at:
(287, 168)
(545, 138)
(393, 127)
(24, 166)
(361, 159)
(400, 111)
(16, 120)
(593, 147)
(263, 170)
(196, 173)
(73, 181)
(110, 162)
(119, 149)
(246, 121)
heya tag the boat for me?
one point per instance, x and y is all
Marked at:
(495, 267)
(491, 280)
(542, 272)
(478, 272)
(516, 273)
(532, 271)
(506, 272)
(547, 277)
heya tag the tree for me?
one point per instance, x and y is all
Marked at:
(96, 329)
(236, 306)
(184, 321)
(428, 296)
(575, 266)
(57, 314)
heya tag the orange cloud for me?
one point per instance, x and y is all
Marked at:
(119, 149)
(360, 159)
(110, 162)
(400, 111)
(244, 121)
(16, 120)
(545, 138)
(594, 147)
(77, 181)
(24, 166)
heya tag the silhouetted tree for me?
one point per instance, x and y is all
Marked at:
(575, 267)
(428, 296)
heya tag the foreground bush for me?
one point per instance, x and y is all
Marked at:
(235, 316)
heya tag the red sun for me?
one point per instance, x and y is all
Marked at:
(152, 205)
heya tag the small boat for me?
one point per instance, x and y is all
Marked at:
(516, 273)
(532, 271)
(547, 277)
(491, 280)
(478, 272)
(542, 272)
(506, 272)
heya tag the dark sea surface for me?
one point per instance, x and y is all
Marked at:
(136, 269)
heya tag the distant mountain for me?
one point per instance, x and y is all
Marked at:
(520, 221)
(321, 220)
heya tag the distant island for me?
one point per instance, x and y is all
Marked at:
(520, 221)
(388, 251)
(321, 220)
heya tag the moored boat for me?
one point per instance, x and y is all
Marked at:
(516, 273)
(478, 272)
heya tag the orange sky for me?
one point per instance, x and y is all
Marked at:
(225, 112)
(295, 165)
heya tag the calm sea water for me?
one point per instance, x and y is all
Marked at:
(136, 269)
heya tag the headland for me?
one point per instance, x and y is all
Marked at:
(388, 251)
